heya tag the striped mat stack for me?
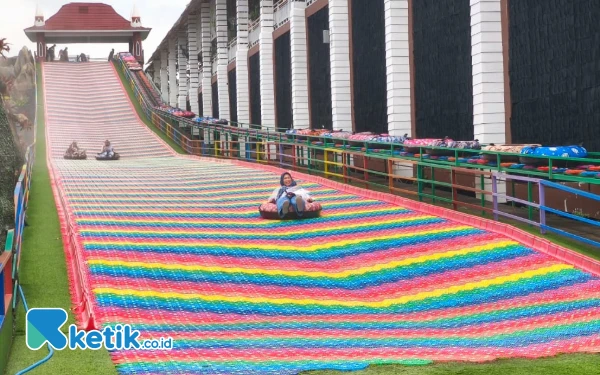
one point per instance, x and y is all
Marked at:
(175, 247)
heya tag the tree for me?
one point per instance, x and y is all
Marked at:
(4, 47)
(11, 156)
(10, 165)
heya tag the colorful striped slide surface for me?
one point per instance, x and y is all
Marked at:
(175, 246)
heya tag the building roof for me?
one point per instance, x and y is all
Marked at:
(86, 17)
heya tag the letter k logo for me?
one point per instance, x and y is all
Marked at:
(43, 325)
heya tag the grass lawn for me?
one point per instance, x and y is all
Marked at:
(573, 364)
(43, 275)
(580, 247)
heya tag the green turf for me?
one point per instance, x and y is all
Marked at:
(573, 364)
(177, 148)
(43, 275)
(580, 247)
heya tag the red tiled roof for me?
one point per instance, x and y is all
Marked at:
(86, 16)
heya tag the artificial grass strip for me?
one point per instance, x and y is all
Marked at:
(43, 274)
(572, 364)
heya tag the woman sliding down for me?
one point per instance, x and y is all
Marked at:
(74, 151)
(107, 150)
(289, 193)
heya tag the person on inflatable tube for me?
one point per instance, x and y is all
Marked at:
(289, 193)
(74, 152)
(107, 150)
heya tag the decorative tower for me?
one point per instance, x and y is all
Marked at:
(136, 41)
(39, 17)
(136, 20)
(40, 42)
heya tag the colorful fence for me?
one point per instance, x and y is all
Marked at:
(371, 164)
(21, 197)
(6, 298)
(10, 258)
(541, 207)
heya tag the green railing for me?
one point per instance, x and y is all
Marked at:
(251, 135)
(375, 165)
(454, 181)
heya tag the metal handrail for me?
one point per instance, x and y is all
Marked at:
(541, 206)
(152, 83)
(278, 8)
(232, 42)
(271, 131)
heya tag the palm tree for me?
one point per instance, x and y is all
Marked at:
(4, 47)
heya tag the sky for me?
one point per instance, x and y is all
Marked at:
(160, 15)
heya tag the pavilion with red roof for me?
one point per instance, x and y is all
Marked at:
(88, 23)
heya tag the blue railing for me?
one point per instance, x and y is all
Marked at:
(21, 199)
(541, 206)
(543, 209)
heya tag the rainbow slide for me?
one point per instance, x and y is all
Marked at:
(174, 246)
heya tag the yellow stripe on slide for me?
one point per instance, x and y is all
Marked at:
(278, 247)
(271, 233)
(247, 211)
(193, 199)
(201, 205)
(384, 303)
(275, 272)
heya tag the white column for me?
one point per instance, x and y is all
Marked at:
(223, 59)
(195, 129)
(267, 88)
(183, 77)
(200, 69)
(193, 61)
(398, 67)
(164, 75)
(267, 70)
(156, 75)
(488, 77)
(488, 71)
(241, 69)
(339, 36)
(241, 63)
(172, 72)
(299, 65)
(206, 63)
